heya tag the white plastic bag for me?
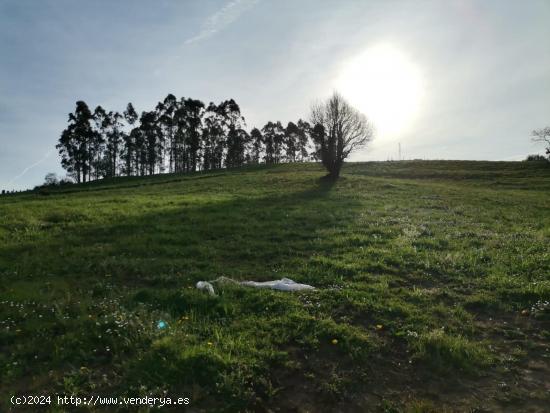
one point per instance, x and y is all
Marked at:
(284, 284)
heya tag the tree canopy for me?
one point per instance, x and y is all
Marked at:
(338, 130)
(186, 135)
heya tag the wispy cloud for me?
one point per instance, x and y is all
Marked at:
(28, 168)
(222, 18)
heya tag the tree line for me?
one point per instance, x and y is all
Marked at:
(178, 135)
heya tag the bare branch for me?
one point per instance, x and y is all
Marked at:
(345, 130)
(541, 135)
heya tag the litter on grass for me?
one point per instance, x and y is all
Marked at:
(284, 284)
(205, 285)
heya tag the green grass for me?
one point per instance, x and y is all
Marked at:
(432, 288)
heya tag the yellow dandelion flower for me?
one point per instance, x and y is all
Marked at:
(379, 326)
(334, 341)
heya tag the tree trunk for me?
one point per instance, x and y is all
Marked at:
(334, 173)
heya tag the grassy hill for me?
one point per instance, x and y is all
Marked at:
(433, 282)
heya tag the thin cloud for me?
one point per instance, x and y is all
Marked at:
(222, 18)
(28, 168)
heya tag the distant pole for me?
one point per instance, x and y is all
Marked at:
(399, 150)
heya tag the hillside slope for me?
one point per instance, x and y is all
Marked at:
(432, 288)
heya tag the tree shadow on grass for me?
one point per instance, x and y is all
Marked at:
(260, 236)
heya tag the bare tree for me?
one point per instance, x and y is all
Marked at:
(542, 136)
(338, 130)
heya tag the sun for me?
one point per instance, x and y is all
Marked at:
(385, 85)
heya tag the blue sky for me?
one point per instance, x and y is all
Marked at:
(484, 65)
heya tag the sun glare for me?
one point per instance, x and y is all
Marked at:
(385, 85)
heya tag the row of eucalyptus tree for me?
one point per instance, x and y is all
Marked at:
(178, 135)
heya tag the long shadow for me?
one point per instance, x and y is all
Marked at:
(256, 235)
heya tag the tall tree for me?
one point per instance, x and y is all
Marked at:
(237, 141)
(236, 136)
(257, 141)
(181, 134)
(151, 139)
(213, 137)
(75, 144)
(114, 139)
(274, 136)
(279, 142)
(339, 130)
(166, 111)
(193, 111)
(269, 141)
(304, 130)
(68, 146)
(140, 150)
(97, 147)
(291, 141)
(180, 142)
(128, 153)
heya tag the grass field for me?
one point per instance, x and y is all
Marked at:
(433, 289)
